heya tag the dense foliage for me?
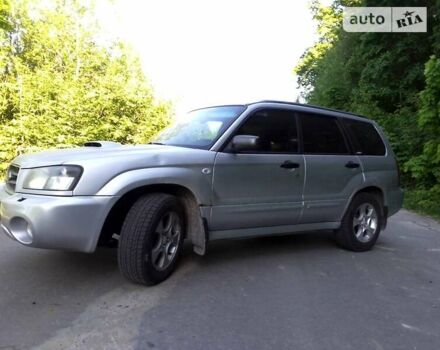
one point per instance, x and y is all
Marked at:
(61, 84)
(393, 78)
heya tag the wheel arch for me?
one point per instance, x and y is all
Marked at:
(379, 193)
(195, 227)
(374, 190)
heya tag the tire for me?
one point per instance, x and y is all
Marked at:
(151, 239)
(361, 224)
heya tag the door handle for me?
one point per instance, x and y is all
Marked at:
(289, 165)
(352, 165)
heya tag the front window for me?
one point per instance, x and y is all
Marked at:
(201, 128)
(275, 128)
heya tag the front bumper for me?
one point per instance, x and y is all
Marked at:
(53, 222)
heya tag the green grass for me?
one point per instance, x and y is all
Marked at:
(424, 202)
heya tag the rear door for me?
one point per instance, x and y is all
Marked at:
(264, 187)
(378, 163)
(332, 171)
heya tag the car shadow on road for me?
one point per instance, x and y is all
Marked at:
(103, 263)
(80, 269)
(59, 269)
(226, 251)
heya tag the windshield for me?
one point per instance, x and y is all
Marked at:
(201, 128)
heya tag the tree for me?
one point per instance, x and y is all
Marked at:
(425, 167)
(375, 74)
(5, 8)
(60, 86)
(329, 19)
(388, 77)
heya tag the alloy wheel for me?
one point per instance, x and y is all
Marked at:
(167, 239)
(365, 222)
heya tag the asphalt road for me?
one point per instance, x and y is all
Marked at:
(295, 292)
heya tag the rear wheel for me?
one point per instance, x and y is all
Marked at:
(360, 227)
(151, 239)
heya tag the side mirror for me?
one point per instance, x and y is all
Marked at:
(243, 143)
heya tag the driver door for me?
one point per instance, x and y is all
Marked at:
(263, 187)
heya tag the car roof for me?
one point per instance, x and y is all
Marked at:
(312, 107)
(304, 107)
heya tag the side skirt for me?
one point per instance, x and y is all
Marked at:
(273, 230)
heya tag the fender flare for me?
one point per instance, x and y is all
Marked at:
(196, 197)
(365, 186)
(132, 179)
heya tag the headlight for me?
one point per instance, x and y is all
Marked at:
(54, 178)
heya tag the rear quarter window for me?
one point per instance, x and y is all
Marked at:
(366, 139)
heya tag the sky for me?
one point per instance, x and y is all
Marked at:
(208, 52)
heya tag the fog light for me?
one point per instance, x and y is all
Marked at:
(21, 230)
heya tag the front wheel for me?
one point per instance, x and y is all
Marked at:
(360, 227)
(151, 239)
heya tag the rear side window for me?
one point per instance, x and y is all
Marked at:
(322, 135)
(366, 139)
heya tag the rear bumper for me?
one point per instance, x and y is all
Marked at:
(52, 222)
(394, 201)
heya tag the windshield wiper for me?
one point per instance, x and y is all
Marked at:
(156, 143)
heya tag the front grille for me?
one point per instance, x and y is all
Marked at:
(11, 177)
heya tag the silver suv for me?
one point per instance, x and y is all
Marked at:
(266, 168)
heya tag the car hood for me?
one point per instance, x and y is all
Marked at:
(79, 155)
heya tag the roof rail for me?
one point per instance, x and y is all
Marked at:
(308, 105)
